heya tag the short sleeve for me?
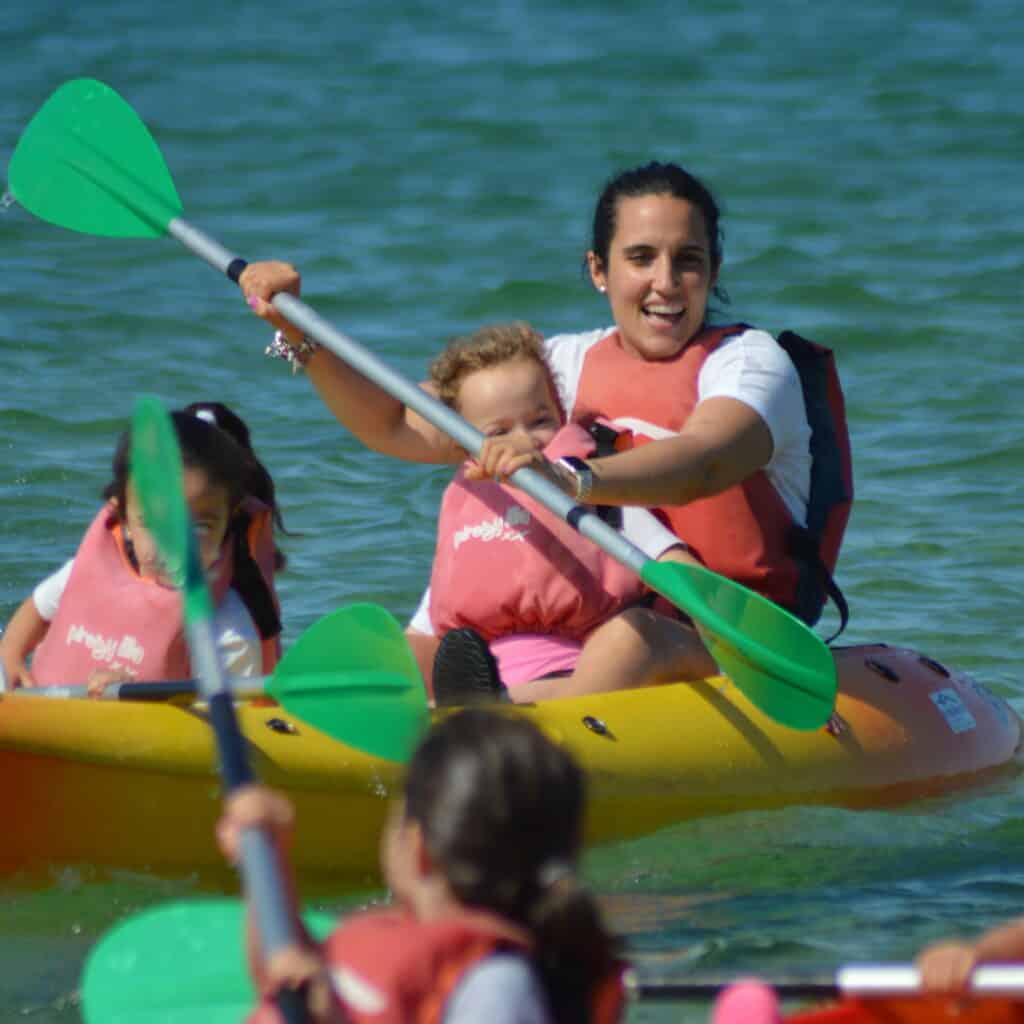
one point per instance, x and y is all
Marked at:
(503, 989)
(47, 594)
(237, 637)
(420, 621)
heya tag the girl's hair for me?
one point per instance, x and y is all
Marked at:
(215, 440)
(488, 346)
(260, 484)
(501, 811)
(656, 179)
(203, 446)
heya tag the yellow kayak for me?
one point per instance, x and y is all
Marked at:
(135, 785)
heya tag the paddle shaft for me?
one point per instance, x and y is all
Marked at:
(259, 865)
(435, 412)
(864, 980)
(164, 690)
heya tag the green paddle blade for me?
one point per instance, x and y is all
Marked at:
(353, 676)
(87, 162)
(180, 963)
(156, 473)
(780, 664)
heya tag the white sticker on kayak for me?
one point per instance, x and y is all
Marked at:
(953, 709)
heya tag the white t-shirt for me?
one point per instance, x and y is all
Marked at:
(645, 530)
(237, 636)
(501, 989)
(751, 367)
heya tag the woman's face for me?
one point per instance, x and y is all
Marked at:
(659, 274)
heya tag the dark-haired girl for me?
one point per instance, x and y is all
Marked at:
(491, 921)
(112, 614)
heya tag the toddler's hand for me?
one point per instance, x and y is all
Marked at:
(500, 457)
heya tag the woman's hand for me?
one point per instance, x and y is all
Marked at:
(254, 806)
(260, 282)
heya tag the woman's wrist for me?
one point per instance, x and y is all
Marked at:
(298, 353)
(578, 477)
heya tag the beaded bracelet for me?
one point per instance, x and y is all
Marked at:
(297, 353)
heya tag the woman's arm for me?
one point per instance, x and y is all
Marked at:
(723, 443)
(370, 413)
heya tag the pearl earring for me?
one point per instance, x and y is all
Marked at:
(601, 288)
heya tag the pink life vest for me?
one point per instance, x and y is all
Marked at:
(109, 617)
(504, 564)
(390, 968)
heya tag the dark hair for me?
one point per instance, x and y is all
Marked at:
(656, 179)
(260, 484)
(203, 446)
(501, 810)
(224, 453)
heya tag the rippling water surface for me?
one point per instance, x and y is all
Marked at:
(430, 170)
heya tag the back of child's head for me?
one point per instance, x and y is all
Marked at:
(501, 810)
(488, 346)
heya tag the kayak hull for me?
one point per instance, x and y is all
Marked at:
(135, 786)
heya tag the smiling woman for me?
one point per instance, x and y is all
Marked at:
(728, 425)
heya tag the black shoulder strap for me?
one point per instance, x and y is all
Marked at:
(827, 487)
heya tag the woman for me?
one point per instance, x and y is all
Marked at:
(719, 415)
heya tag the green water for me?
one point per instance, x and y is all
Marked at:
(430, 169)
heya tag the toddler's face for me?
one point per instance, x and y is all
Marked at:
(511, 398)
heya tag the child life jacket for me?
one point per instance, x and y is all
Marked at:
(389, 968)
(110, 617)
(745, 533)
(505, 564)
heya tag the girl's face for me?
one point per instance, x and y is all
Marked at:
(399, 856)
(511, 398)
(209, 507)
(659, 274)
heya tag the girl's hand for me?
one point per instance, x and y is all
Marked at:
(501, 456)
(260, 282)
(254, 806)
(302, 966)
(947, 966)
(17, 673)
(100, 678)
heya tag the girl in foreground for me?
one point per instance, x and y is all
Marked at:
(559, 615)
(491, 922)
(111, 613)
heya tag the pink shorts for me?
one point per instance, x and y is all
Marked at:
(523, 657)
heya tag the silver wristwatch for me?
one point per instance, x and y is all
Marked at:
(582, 474)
